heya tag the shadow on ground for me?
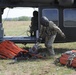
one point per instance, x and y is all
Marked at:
(61, 50)
(58, 51)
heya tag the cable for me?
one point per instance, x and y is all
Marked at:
(6, 19)
(26, 32)
(6, 15)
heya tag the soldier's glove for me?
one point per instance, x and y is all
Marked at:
(39, 39)
(63, 35)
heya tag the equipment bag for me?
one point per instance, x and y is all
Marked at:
(68, 58)
(9, 50)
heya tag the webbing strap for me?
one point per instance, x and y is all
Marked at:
(70, 59)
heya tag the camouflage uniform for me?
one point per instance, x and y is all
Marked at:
(49, 34)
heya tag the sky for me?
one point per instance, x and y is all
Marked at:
(17, 12)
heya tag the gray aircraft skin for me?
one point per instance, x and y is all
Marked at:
(59, 8)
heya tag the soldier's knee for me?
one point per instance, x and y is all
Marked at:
(49, 47)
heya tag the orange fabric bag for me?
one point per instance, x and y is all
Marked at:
(9, 49)
(68, 58)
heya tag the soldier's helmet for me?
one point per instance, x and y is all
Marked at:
(44, 21)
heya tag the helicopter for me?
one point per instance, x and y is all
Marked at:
(61, 12)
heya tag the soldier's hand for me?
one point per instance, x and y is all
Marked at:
(63, 35)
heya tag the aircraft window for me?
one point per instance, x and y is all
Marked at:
(69, 17)
(51, 14)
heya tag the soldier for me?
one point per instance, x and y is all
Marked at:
(48, 32)
(34, 23)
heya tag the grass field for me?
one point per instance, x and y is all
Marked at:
(16, 28)
(34, 66)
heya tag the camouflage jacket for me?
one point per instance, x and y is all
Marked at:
(46, 32)
(52, 29)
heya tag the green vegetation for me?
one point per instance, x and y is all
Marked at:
(34, 66)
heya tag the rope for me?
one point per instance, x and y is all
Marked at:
(6, 15)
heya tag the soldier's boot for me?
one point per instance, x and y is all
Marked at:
(51, 50)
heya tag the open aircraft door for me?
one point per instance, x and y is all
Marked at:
(18, 39)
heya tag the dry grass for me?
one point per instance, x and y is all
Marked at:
(34, 66)
(16, 28)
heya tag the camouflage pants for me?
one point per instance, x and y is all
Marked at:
(49, 40)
